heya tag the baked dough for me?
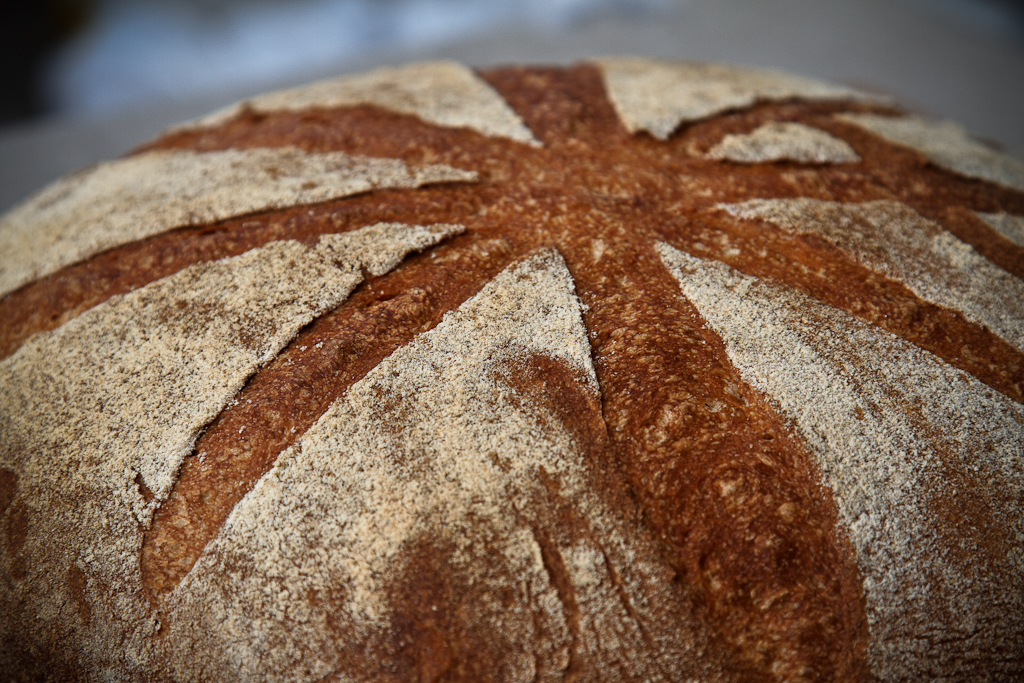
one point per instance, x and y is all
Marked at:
(630, 370)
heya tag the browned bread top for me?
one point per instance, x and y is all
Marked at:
(632, 370)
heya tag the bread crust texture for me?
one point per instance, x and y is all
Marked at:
(631, 370)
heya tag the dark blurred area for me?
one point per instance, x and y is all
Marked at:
(87, 80)
(31, 32)
(99, 56)
(95, 57)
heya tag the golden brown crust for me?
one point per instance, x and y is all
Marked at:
(723, 480)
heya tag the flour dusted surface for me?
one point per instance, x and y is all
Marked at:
(946, 144)
(437, 446)
(546, 535)
(97, 416)
(129, 199)
(657, 96)
(892, 239)
(1009, 226)
(784, 141)
(897, 432)
(443, 93)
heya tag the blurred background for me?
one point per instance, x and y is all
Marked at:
(86, 80)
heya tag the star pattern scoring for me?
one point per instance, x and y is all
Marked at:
(632, 335)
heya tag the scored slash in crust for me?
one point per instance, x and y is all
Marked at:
(642, 413)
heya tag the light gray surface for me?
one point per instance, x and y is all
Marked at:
(931, 63)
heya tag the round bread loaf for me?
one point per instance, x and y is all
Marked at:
(627, 371)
